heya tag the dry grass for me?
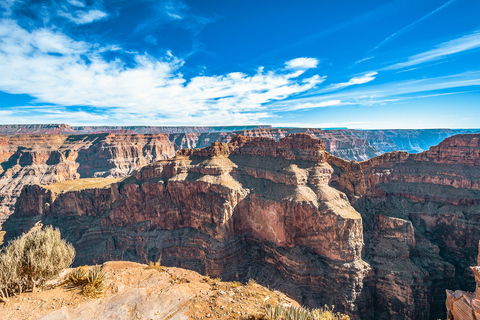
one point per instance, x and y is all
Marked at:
(82, 184)
(32, 259)
(91, 281)
(279, 312)
(156, 266)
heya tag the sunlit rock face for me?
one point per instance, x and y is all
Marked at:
(49, 158)
(252, 208)
(380, 239)
(421, 222)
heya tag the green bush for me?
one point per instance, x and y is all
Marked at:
(32, 259)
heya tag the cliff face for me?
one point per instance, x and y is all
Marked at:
(340, 143)
(429, 202)
(46, 159)
(278, 212)
(410, 140)
(253, 208)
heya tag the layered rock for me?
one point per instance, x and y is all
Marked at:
(257, 208)
(463, 305)
(430, 201)
(253, 208)
(46, 159)
(340, 143)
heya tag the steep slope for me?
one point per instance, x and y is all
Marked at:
(421, 220)
(253, 208)
(46, 159)
(339, 143)
(257, 208)
(409, 140)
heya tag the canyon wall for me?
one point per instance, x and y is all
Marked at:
(381, 239)
(253, 208)
(46, 159)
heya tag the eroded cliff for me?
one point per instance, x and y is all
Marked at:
(272, 211)
(46, 159)
(253, 208)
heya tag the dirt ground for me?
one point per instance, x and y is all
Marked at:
(136, 291)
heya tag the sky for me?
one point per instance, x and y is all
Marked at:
(306, 63)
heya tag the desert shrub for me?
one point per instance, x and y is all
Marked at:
(32, 259)
(156, 266)
(91, 282)
(278, 312)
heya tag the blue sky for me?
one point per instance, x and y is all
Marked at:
(356, 64)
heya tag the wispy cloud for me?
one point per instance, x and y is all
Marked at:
(467, 42)
(56, 69)
(369, 76)
(393, 91)
(411, 25)
(310, 105)
(77, 3)
(301, 63)
(365, 78)
(364, 59)
(176, 11)
(83, 17)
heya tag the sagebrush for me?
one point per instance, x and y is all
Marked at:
(32, 259)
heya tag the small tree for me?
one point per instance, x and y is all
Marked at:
(32, 259)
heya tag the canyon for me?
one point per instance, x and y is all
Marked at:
(49, 158)
(380, 239)
(47, 153)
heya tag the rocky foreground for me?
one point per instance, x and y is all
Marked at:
(380, 239)
(137, 291)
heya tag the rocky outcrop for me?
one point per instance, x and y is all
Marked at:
(253, 208)
(430, 203)
(16, 129)
(339, 143)
(409, 140)
(146, 292)
(463, 305)
(380, 239)
(46, 159)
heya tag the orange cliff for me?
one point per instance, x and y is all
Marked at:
(252, 208)
(46, 159)
(380, 239)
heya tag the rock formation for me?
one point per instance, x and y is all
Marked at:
(253, 208)
(463, 305)
(46, 159)
(138, 291)
(278, 212)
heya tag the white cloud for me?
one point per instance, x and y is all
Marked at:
(55, 69)
(369, 76)
(84, 17)
(312, 105)
(467, 42)
(394, 91)
(77, 3)
(301, 64)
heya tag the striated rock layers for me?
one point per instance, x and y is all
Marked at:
(341, 143)
(46, 159)
(278, 212)
(465, 305)
(253, 208)
(421, 222)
